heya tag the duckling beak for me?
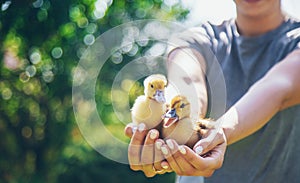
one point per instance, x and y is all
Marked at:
(159, 96)
(170, 118)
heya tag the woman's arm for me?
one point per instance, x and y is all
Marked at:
(277, 90)
(186, 73)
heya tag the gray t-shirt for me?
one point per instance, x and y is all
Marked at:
(272, 154)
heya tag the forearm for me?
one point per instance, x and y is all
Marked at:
(252, 111)
(277, 90)
(186, 73)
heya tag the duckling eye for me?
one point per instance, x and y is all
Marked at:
(182, 105)
(151, 86)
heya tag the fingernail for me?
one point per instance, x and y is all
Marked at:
(141, 127)
(165, 166)
(199, 150)
(153, 134)
(134, 129)
(170, 144)
(164, 150)
(182, 150)
(158, 145)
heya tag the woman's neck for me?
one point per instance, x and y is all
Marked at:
(255, 26)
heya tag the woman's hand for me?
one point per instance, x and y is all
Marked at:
(207, 156)
(144, 150)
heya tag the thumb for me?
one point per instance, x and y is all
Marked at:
(209, 142)
(203, 146)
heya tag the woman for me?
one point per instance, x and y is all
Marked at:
(258, 53)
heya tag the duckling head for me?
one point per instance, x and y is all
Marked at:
(155, 86)
(179, 109)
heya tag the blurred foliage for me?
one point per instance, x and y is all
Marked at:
(41, 43)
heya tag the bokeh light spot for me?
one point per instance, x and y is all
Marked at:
(91, 28)
(42, 15)
(38, 3)
(6, 94)
(24, 77)
(26, 132)
(100, 9)
(5, 5)
(30, 70)
(79, 76)
(117, 57)
(48, 76)
(35, 57)
(126, 47)
(56, 52)
(140, 13)
(39, 133)
(99, 14)
(127, 84)
(82, 22)
(89, 39)
(157, 49)
(133, 50)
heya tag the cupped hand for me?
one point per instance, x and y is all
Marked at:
(206, 156)
(144, 150)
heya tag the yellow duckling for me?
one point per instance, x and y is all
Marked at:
(179, 126)
(150, 107)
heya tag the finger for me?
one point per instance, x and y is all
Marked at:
(165, 165)
(199, 167)
(211, 162)
(128, 131)
(159, 160)
(147, 157)
(178, 154)
(216, 156)
(189, 168)
(158, 156)
(172, 162)
(135, 148)
(213, 139)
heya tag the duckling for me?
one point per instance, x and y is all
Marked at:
(150, 107)
(179, 126)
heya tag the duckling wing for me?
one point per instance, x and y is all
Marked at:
(147, 111)
(140, 109)
(204, 124)
(182, 132)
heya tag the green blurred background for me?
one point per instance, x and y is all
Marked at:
(41, 43)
